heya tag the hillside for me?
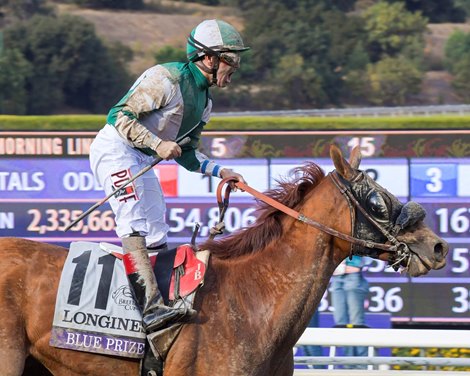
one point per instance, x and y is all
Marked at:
(147, 31)
(437, 84)
(171, 21)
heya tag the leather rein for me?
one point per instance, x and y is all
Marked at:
(400, 249)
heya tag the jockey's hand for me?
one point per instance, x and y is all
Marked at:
(228, 173)
(168, 150)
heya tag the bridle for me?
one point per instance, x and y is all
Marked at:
(398, 251)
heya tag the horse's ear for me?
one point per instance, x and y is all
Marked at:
(342, 166)
(355, 157)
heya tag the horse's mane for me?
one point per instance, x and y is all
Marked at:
(268, 227)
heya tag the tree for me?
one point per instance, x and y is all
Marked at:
(14, 71)
(316, 35)
(457, 48)
(391, 30)
(457, 61)
(67, 61)
(392, 81)
(437, 10)
(301, 81)
(168, 53)
(14, 10)
(464, 5)
(461, 81)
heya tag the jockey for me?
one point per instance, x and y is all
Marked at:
(167, 103)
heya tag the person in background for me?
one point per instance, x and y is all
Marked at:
(167, 103)
(348, 291)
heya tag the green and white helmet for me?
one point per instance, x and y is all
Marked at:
(213, 37)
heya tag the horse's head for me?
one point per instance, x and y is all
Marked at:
(393, 231)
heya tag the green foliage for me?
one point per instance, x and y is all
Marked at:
(95, 122)
(456, 49)
(437, 10)
(52, 122)
(14, 10)
(312, 53)
(344, 5)
(120, 53)
(432, 352)
(461, 81)
(204, 2)
(236, 96)
(69, 65)
(106, 83)
(111, 4)
(268, 32)
(463, 5)
(356, 88)
(300, 79)
(14, 71)
(347, 42)
(168, 54)
(457, 61)
(392, 81)
(247, 69)
(392, 31)
(301, 43)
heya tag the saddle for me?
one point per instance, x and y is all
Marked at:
(188, 271)
(179, 271)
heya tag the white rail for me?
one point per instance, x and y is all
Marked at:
(459, 109)
(379, 360)
(376, 338)
(420, 338)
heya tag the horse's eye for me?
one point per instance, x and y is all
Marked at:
(377, 206)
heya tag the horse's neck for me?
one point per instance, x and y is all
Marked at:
(276, 290)
(286, 280)
(268, 298)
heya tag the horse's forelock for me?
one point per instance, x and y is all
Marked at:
(268, 226)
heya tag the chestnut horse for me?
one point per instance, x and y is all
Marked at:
(263, 282)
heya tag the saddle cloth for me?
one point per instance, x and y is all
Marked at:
(95, 311)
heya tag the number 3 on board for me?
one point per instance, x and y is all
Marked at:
(433, 180)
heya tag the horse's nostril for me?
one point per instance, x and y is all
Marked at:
(440, 251)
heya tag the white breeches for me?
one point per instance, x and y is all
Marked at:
(140, 206)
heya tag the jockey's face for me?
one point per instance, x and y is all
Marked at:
(229, 62)
(224, 74)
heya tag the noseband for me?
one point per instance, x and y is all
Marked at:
(398, 251)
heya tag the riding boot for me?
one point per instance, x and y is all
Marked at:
(155, 314)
